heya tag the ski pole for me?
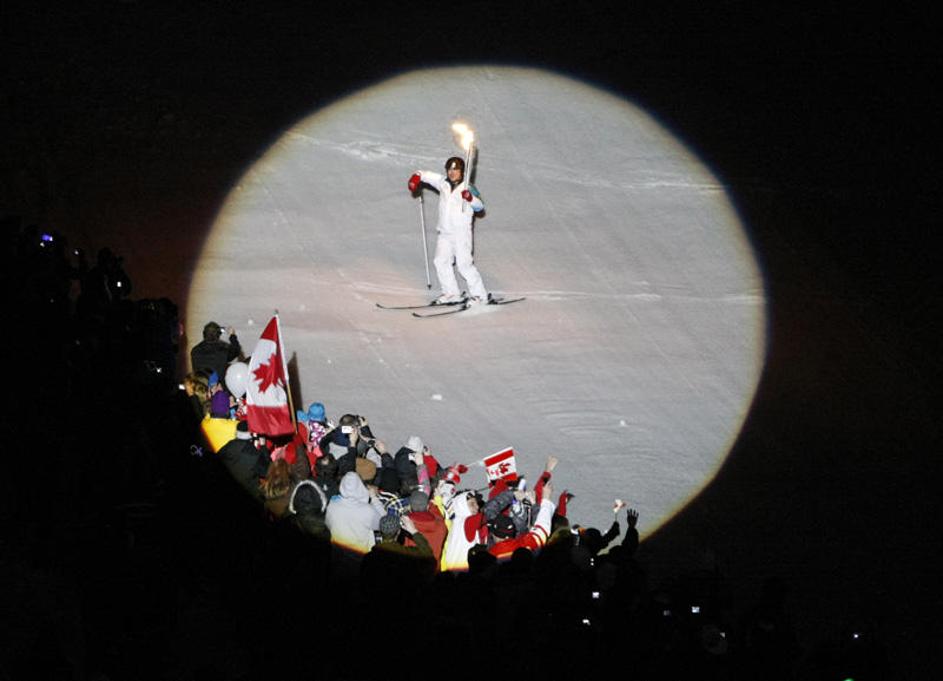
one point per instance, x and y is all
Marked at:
(425, 246)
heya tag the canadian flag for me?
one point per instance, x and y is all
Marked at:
(501, 465)
(267, 391)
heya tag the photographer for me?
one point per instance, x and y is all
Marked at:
(352, 439)
(213, 353)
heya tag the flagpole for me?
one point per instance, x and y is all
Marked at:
(281, 344)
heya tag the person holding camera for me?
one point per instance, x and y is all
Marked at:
(213, 353)
(350, 440)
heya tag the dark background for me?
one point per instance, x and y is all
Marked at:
(125, 123)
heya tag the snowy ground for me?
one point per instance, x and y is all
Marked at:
(638, 349)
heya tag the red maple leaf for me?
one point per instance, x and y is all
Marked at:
(268, 375)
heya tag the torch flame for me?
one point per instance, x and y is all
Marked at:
(466, 134)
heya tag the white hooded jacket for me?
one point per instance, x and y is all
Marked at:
(457, 543)
(353, 515)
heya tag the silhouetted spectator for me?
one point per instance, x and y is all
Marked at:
(214, 354)
(308, 503)
(246, 463)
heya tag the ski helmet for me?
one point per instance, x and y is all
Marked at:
(455, 162)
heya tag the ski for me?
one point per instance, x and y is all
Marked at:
(466, 306)
(419, 307)
(455, 308)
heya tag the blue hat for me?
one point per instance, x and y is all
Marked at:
(315, 413)
(214, 379)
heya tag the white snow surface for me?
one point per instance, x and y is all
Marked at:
(634, 358)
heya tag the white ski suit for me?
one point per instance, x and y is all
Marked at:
(455, 236)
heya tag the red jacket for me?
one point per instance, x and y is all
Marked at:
(432, 526)
(533, 540)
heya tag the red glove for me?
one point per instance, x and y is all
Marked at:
(467, 195)
(414, 181)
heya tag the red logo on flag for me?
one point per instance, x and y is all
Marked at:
(267, 390)
(501, 465)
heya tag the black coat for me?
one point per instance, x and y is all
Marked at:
(407, 471)
(215, 355)
(245, 463)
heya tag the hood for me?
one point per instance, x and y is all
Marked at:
(459, 507)
(352, 487)
(307, 497)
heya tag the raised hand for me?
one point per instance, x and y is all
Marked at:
(407, 524)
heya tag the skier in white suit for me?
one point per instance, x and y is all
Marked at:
(457, 208)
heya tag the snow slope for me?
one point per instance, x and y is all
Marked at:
(637, 352)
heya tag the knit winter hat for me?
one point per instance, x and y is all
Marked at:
(315, 413)
(242, 431)
(389, 526)
(418, 501)
(414, 443)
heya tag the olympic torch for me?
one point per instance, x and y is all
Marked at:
(466, 139)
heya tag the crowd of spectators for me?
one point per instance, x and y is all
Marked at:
(134, 551)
